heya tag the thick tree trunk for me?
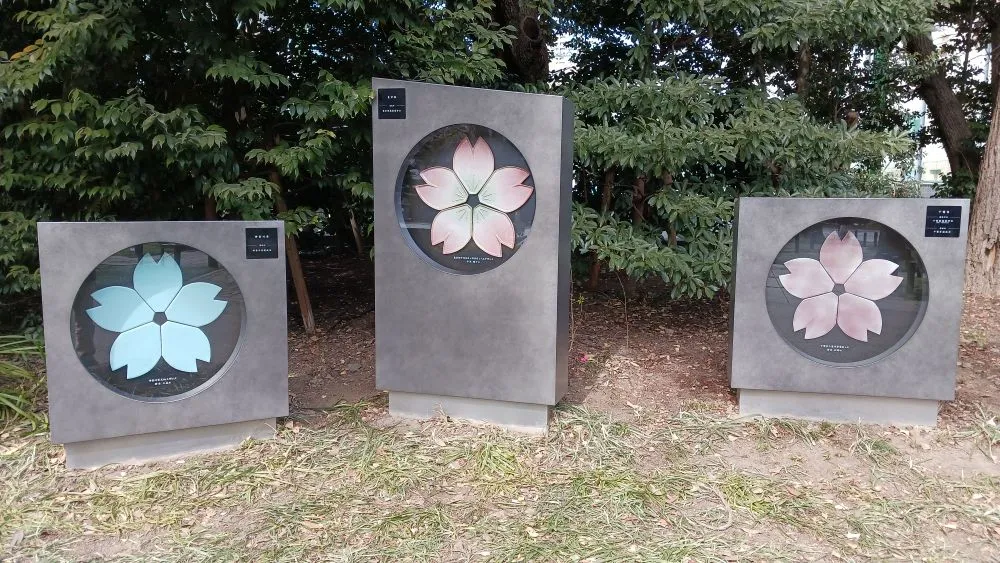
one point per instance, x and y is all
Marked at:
(946, 110)
(983, 268)
(607, 191)
(528, 55)
(295, 263)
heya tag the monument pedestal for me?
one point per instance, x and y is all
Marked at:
(521, 417)
(838, 408)
(142, 448)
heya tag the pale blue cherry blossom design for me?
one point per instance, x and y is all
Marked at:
(160, 318)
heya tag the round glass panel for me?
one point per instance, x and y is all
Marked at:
(157, 321)
(465, 199)
(847, 292)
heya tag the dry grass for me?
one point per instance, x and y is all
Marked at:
(351, 485)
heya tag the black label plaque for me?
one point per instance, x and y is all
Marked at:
(943, 221)
(262, 243)
(392, 103)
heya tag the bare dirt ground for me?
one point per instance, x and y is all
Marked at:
(645, 461)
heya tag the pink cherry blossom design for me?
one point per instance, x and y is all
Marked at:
(841, 261)
(498, 192)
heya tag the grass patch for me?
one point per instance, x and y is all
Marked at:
(341, 489)
(764, 498)
(877, 450)
(580, 435)
(696, 433)
(986, 432)
(21, 383)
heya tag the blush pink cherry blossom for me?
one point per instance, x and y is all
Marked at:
(473, 199)
(851, 306)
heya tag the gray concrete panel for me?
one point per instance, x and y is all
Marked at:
(922, 368)
(501, 334)
(254, 386)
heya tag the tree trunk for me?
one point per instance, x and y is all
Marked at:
(211, 209)
(607, 190)
(527, 56)
(211, 214)
(294, 263)
(946, 110)
(983, 268)
(358, 241)
(668, 180)
(639, 199)
(802, 74)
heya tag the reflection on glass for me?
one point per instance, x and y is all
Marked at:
(465, 199)
(157, 320)
(846, 291)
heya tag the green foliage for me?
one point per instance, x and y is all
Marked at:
(17, 246)
(777, 24)
(19, 383)
(115, 109)
(690, 104)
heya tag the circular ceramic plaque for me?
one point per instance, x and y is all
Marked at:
(465, 199)
(157, 321)
(847, 291)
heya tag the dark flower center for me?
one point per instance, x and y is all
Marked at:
(473, 200)
(838, 289)
(159, 318)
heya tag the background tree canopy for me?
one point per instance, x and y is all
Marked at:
(116, 109)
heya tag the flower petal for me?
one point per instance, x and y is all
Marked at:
(138, 348)
(490, 229)
(157, 282)
(818, 315)
(453, 227)
(183, 344)
(443, 189)
(807, 278)
(196, 305)
(504, 190)
(840, 257)
(857, 315)
(873, 279)
(120, 309)
(473, 164)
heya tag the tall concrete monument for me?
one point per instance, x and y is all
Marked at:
(472, 273)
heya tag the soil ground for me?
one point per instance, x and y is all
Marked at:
(645, 460)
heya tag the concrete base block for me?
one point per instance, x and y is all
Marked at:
(519, 417)
(839, 408)
(144, 448)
